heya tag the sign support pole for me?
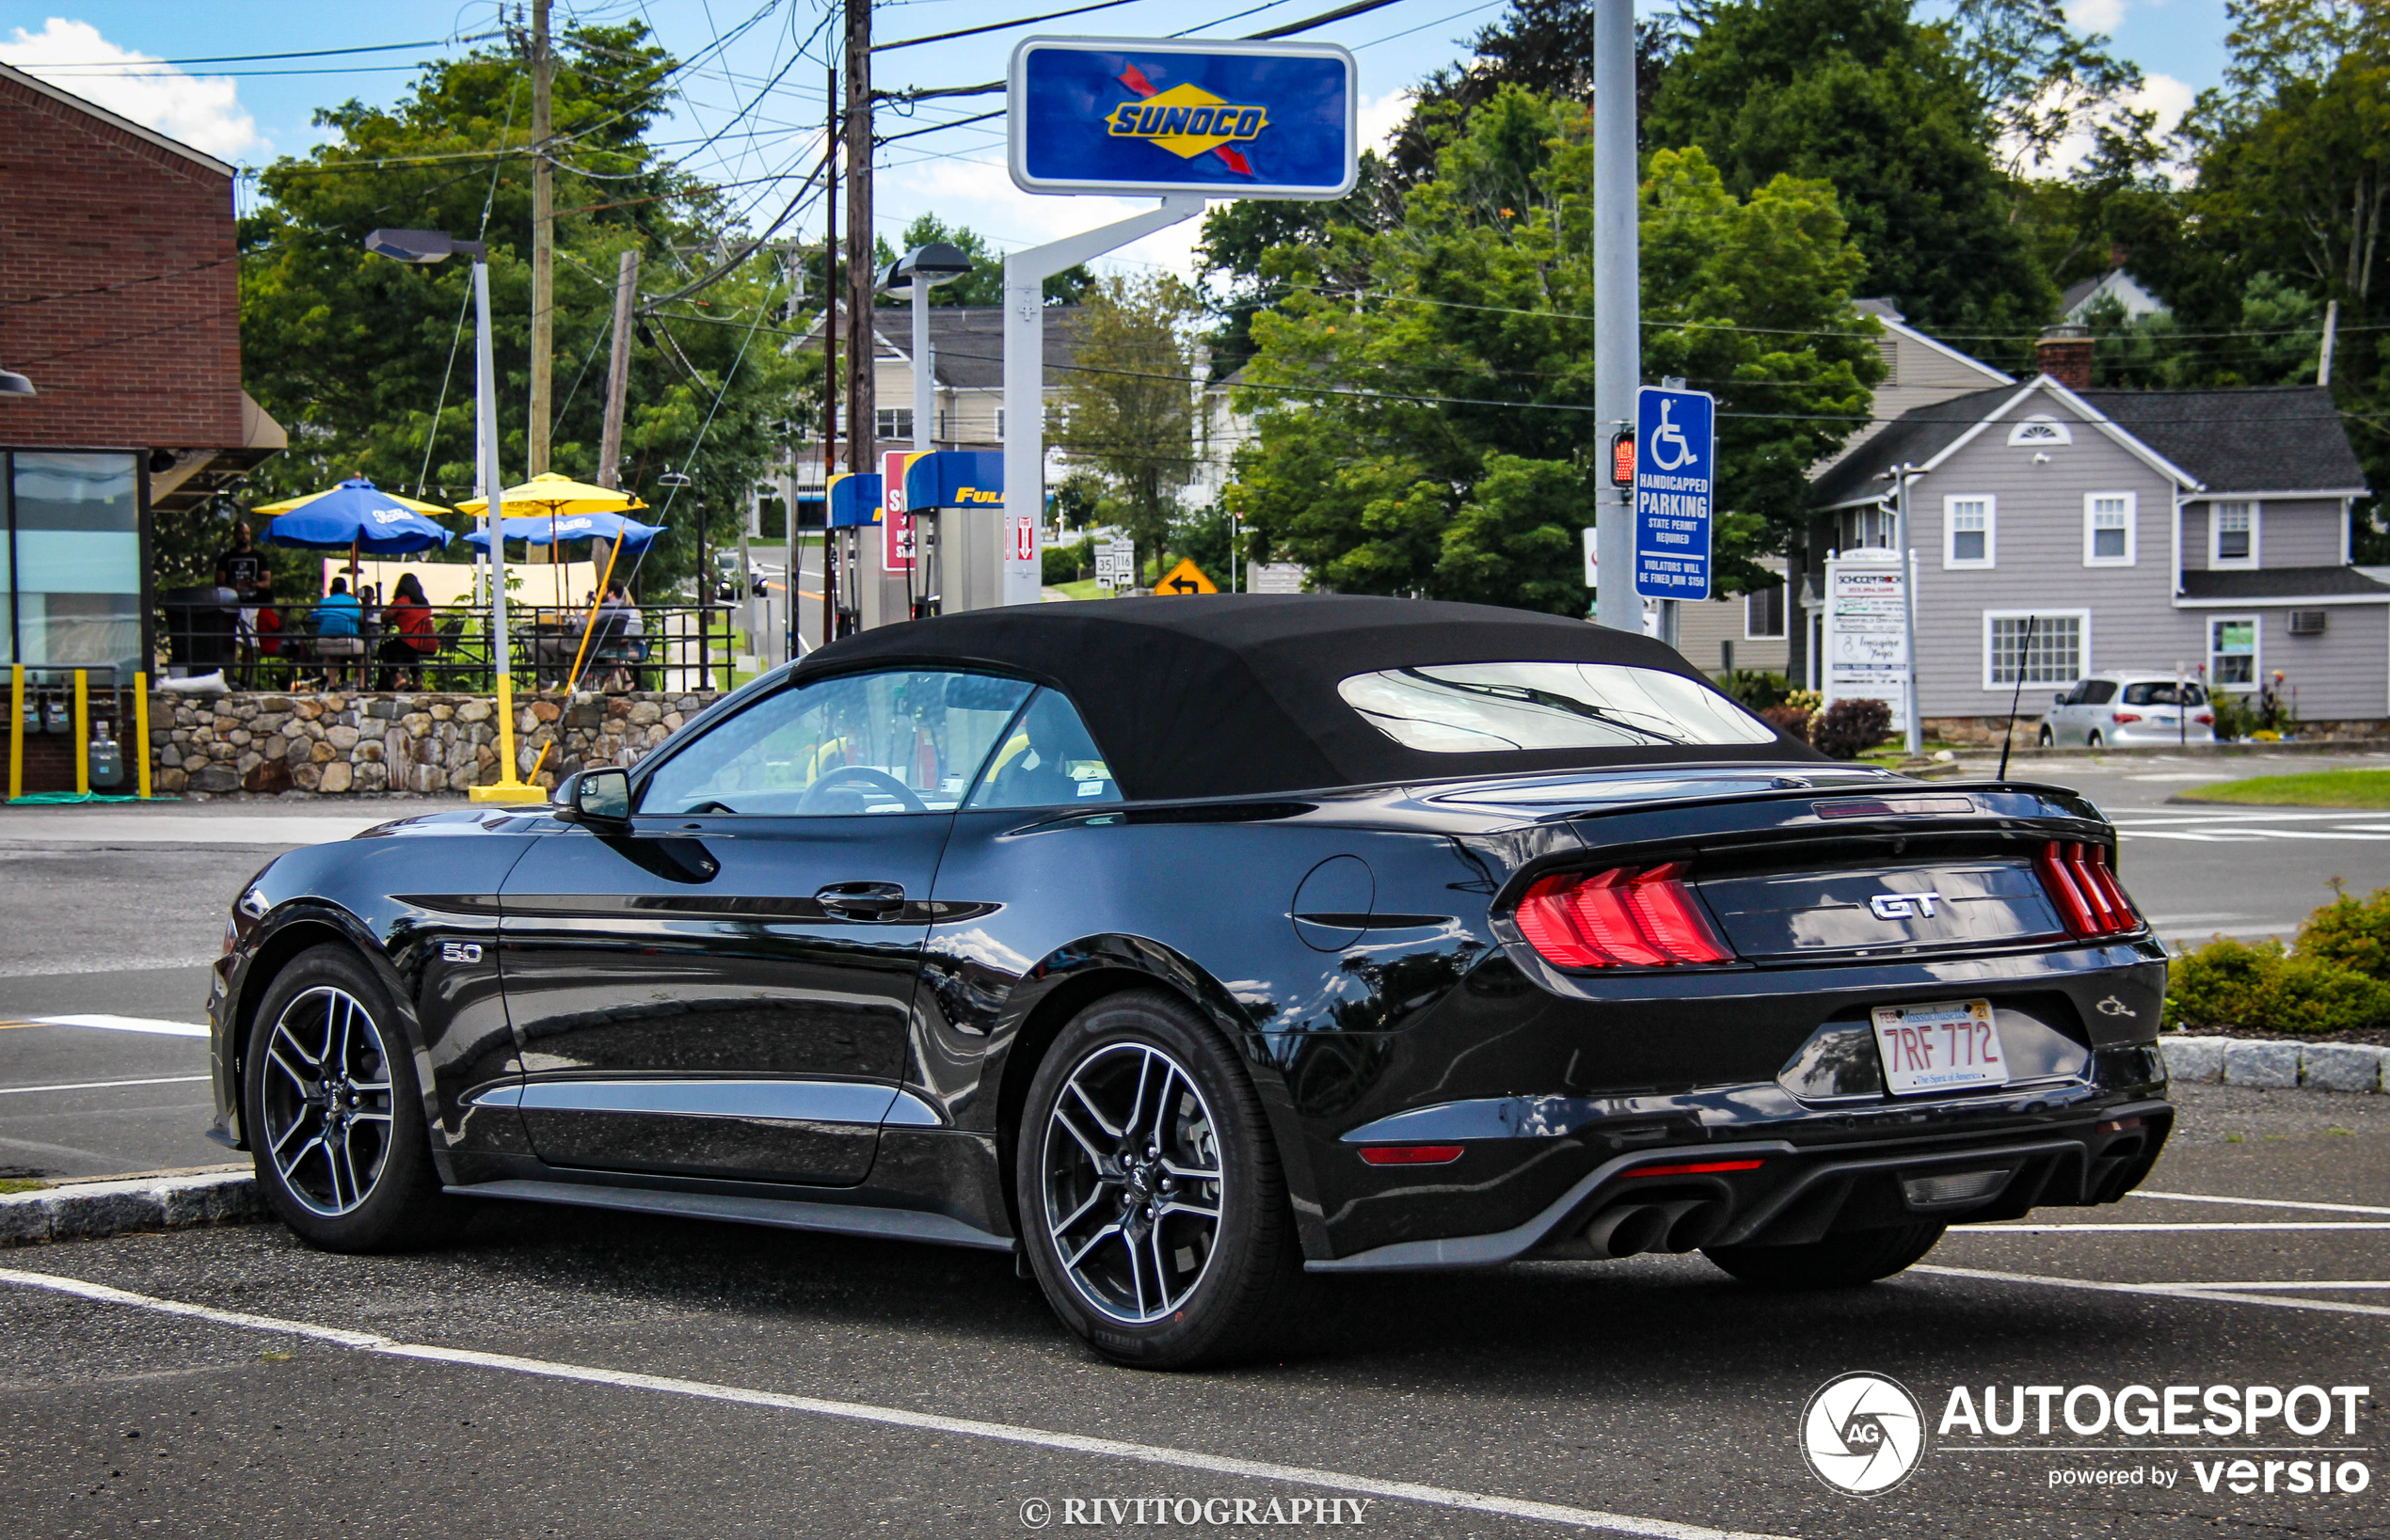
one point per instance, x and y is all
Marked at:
(1904, 474)
(1618, 334)
(1024, 275)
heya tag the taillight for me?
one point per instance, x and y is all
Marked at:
(2078, 878)
(2203, 718)
(1410, 1154)
(1618, 918)
(2120, 718)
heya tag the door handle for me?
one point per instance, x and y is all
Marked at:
(861, 900)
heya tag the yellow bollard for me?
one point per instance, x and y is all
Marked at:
(141, 729)
(82, 736)
(16, 731)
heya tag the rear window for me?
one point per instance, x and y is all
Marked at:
(1488, 708)
(2165, 694)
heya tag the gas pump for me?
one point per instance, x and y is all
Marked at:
(956, 499)
(855, 526)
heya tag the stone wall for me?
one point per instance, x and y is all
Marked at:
(352, 744)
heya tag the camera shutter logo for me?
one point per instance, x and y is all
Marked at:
(1864, 1434)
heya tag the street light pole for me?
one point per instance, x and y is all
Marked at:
(1617, 348)
(1903, 474)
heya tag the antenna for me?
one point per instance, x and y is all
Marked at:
(2024, 654)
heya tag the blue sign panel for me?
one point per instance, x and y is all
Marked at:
(855, 498)
(1230, 119)
(1674, 479)
(955, 477)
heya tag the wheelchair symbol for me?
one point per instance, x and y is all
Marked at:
(1668, 434)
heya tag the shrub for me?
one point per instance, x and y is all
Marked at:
(1063, 564)
(1792, 719)
(1850, 728)
(2230, 983)
(1753, 688)
(2351, 933)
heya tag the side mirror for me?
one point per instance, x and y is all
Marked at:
(601, 796)
(2059, 699)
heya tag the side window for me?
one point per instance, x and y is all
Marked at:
(1047, 760)
(2098, 692)
(901, 741)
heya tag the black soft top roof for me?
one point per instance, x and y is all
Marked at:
(1234, 695)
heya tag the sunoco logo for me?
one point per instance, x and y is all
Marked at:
(1187, 120)
(1863, 1433)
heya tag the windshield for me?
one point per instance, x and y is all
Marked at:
(1488, 708)
(2165, 694)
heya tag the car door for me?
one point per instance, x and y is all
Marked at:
(2062, 724)
(722, 986)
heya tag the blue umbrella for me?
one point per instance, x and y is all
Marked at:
(632, 534)
(354, 517)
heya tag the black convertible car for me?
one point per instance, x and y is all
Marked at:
(1178, 946)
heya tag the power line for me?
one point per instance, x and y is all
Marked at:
(1002, 26)
(302, 53)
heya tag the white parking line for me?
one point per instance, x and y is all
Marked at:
(115, 1024)
(2346, 1283)
(2259, 1202)
(1400, 1491)
(2162, 1290)
(2006, 1228)
(104, 1084)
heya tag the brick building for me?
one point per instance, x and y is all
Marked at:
(120, 299)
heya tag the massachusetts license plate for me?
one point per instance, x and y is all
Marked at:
(1949, 1046)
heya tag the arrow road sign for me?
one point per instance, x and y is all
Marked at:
(1675, 480)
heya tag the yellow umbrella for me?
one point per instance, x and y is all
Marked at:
(559, 497)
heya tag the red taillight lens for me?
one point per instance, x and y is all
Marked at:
(2204, 717)
(2089, 897)
(2122, 717)
(1410, 1154)
(1698, 1167)
(1618, 918)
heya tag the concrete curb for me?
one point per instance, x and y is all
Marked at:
(2277, 1064)
(85, 1211)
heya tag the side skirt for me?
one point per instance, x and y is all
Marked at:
(779, 1213)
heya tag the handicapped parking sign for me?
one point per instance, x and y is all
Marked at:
(1675, 478)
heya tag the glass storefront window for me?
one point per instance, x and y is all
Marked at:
(74, 561)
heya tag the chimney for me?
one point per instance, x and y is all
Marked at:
(2064, 353)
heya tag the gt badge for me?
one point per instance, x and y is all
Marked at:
(1900, 906)
(461, 951)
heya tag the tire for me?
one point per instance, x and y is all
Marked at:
(1206, 1269)
(2045, 738)
(2093, 743)
(348, 1168)
(1838, 1262)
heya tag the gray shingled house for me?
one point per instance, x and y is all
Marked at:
(2144, 529)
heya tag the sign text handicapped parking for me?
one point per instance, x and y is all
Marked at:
(1675, 482)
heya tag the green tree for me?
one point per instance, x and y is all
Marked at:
(1126, 406)
(1857, 94)
(1431, 432)
(368, 362)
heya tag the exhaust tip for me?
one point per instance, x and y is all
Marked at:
(1627, 1230)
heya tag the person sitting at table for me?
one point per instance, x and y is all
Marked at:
(269, 626)
(336, 641)
(615, 637)
(408, 637)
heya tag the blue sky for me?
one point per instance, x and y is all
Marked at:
(250, 111)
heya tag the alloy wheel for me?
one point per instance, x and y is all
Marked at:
(327, 1099)
(1133, 1182)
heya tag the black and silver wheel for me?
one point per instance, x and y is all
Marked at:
(331, 1112)
(1151, 1200)
(1838, 1262)
(2045, 738)
(2094, 742)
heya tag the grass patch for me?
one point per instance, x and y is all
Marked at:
(20, 1185)
(2317, 789)
(1085, 588)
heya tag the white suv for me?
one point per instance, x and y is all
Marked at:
(2128, 709)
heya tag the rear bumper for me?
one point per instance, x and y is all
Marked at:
(1797, 1193)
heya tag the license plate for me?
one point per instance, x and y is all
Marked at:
(1947, 1045)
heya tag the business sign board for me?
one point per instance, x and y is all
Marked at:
(955, 477)
(1866, 633)
(855, 498)
(898, 554)
(1230, 119)
(1675, 481)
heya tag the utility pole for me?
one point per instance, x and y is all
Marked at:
(2331, 326)
(829, 378)
(1617, 346)
(861, 270)
(543, 244)
(618, 372)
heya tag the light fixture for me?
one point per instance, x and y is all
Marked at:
(924, 267)
(422, 245)
(14, 384)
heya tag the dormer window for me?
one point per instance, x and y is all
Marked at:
(2039, 431)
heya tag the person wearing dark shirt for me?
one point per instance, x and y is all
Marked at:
(241, 567)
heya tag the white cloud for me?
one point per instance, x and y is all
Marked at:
(2095, 15)
(2165, 95)
(1381, 116)
(204, 114)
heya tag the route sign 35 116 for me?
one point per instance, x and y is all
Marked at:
(1675, 478)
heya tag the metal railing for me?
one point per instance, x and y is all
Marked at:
(286, 646)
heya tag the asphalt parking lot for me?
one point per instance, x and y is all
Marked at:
(559, 1372)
